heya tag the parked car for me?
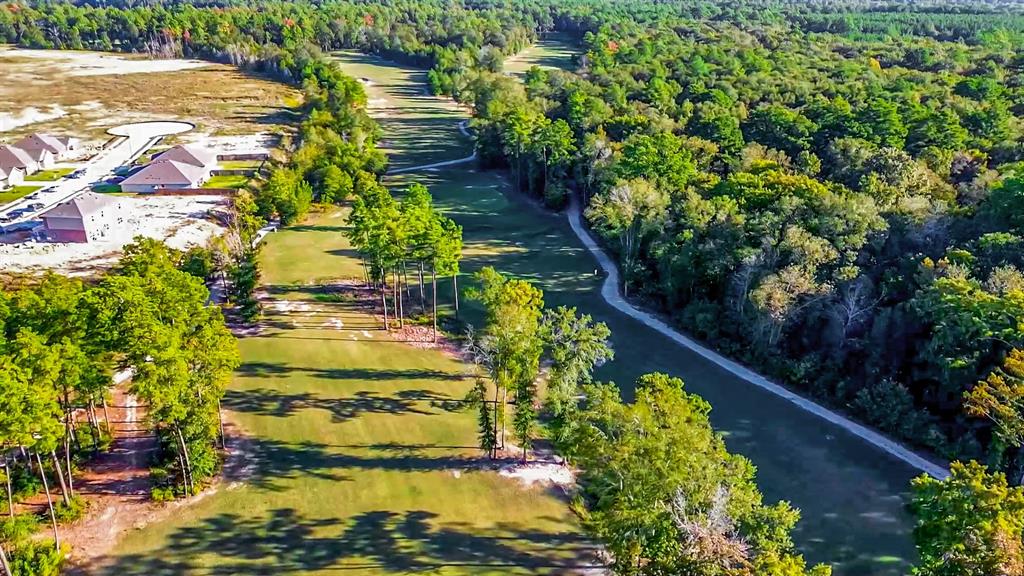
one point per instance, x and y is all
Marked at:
(36, 206)
(34, 195)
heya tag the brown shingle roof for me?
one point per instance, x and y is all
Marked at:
(166, 173)
(193, 155)
(81, 206)
(42, 142)
(12, 157)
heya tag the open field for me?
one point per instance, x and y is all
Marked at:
(547, 54)
(82, 94)
(227, 181)
(851, 495)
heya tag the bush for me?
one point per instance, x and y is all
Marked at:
(36, 559)
(889, 406)
(162, 494)
(70, 512)
(24, 483)
(19, 528)
(555, 196)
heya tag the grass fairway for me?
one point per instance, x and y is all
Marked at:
(851, 495)
(548, 54)
(358, 462)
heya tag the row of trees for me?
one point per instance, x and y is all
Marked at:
(391, 234)
(62, 342)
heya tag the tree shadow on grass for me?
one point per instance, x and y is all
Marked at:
(269, 402)
(379, 541)
(277, 370)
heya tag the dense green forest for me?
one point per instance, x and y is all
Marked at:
(831, 192)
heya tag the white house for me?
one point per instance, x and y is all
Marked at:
(165, 175)
(11, 177)
(43, 157)
(61, 147)
(14, 157)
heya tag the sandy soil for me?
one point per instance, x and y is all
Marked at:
(82, 63)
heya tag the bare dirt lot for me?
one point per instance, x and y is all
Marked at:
(82, 94)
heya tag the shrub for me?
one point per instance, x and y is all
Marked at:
(36, 559)
(162, 494)
(70, 512)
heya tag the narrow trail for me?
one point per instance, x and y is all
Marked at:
(463, 127)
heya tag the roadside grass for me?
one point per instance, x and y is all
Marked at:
(15, 192)
(361, 461)
(107, 188)
(51, 175)
(219, 99)
(548, 54)
(227, 181)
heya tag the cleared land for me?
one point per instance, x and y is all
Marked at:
(82, 94)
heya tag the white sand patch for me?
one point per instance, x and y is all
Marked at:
(28, 116)
(261, 143)
(99, 64)
(289, 306)
(367, 334)
(457, 473)
(334, 323)
(544, 473)
(178, 220)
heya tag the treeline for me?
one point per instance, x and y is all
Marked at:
(61, 341)
(657, 485)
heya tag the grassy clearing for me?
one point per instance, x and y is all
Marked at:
(15, 192)
(219, 99)
(228, 181)
(106, 188)
(50, 175)
(548, 54)
(239, 164)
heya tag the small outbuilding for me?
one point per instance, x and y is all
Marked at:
(85, 218)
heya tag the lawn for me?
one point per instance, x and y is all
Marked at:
(51, 175)
(548, 54)
(239, 164)
(15, 192)
(228, 181)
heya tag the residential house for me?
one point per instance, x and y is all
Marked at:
(42, 157)
(61, 147)
(11, 177)
(165, 175)
(85, 218)
(14, 157)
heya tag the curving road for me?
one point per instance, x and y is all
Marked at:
(613, 296)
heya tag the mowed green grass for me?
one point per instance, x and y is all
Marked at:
(418, 128)
(14, 192)
(359, 460)
(548, 54)
(852, 496)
